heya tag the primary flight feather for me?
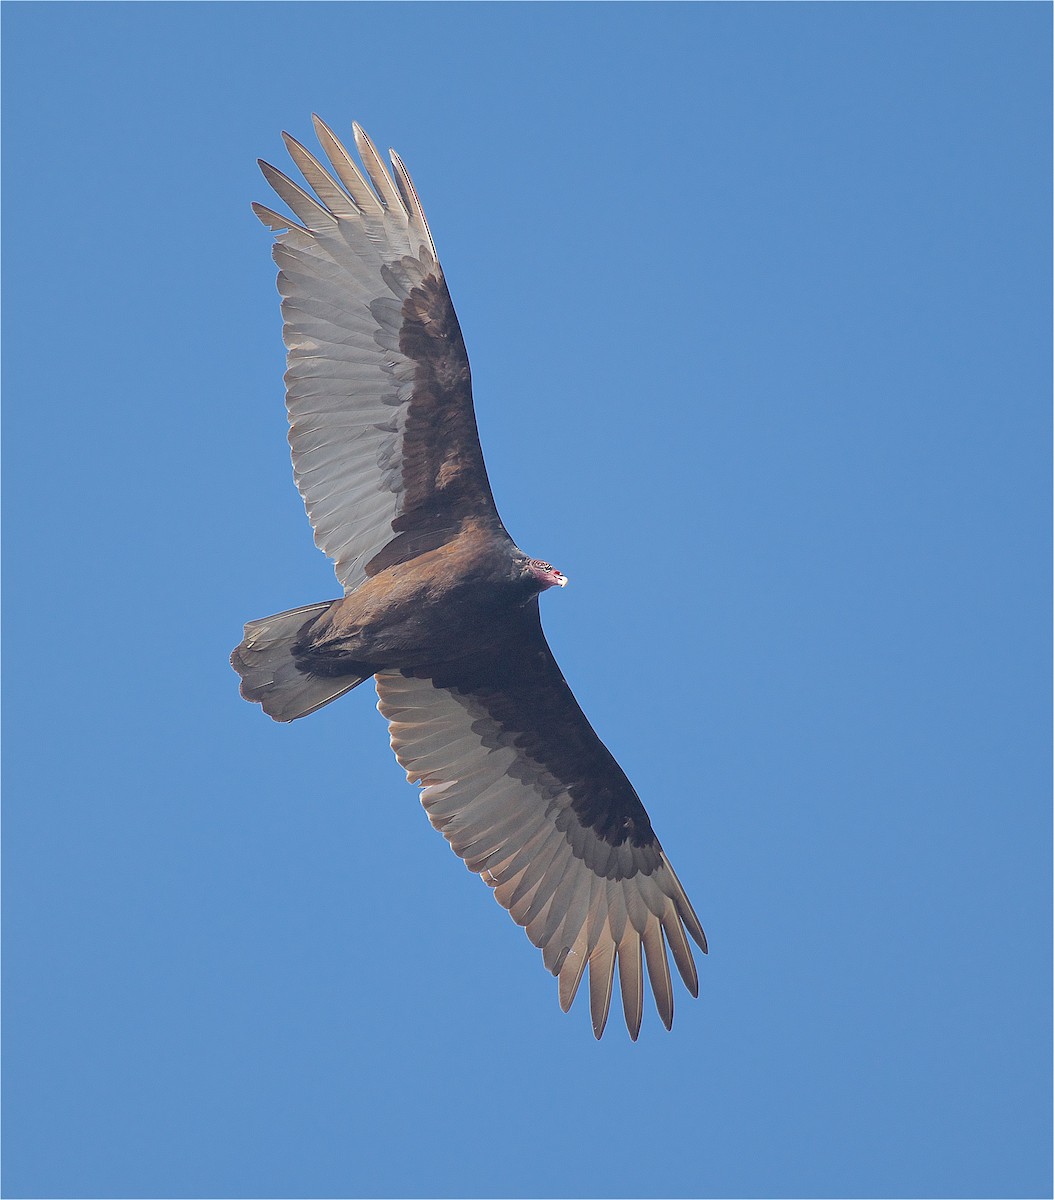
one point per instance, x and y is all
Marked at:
(439, 604)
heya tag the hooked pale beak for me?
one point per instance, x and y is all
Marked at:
(561, 579)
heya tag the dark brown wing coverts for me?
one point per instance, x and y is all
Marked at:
(443, 475)
(524, 692)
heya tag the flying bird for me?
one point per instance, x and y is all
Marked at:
(440, 607)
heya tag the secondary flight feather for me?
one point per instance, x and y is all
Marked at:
(440, 606)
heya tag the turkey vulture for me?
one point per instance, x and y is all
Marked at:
(440, 607)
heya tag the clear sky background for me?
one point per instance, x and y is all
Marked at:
(757, 300)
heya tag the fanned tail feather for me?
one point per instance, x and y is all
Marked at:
(270, 674)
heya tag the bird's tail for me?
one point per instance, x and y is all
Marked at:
(271, 675)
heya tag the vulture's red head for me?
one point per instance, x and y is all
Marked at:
(545, 574)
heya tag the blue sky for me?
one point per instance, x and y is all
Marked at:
(757, 301)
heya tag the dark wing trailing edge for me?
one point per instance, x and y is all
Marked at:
(385, 449)
(516, 780)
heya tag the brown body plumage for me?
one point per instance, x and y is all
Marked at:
(439, 606)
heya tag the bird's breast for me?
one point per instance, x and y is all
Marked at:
(439, 606)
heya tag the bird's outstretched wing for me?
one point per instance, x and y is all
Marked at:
(525, 792)
(385, 449)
